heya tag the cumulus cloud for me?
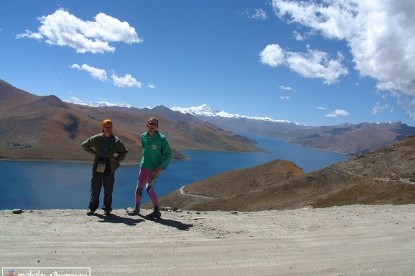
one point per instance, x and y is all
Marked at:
(285, 97)
(337, 113)
(317, 64)
(272, 55)
(379, 34)
(125, 81)
(96, 73)
(151, 86)
(64, 29)
(312, 64)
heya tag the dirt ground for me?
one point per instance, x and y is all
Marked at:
(347, 240)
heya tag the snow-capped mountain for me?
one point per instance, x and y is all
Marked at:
(102, 103)
(205, 110)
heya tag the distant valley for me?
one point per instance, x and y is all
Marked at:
(348, 139)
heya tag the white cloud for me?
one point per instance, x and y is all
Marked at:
(337, 113)
(321, 107)
(125, 81)
(317, 64)
(259, 14)
(378, 108)
(379, 34)
(96, 73)
(29, 34)
(312, 64)
(272, 55)
(285, 97)
(64, 29)
(298, 36)
(151, 86)
(288, 88)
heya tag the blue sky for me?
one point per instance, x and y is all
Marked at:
(311, 62)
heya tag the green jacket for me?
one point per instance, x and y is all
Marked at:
(156, 151)
(93, 145)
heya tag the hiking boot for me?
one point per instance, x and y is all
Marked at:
(90, 213)
(154, 216)
(134, 212)
(107, 212)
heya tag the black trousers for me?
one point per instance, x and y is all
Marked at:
(105, 179)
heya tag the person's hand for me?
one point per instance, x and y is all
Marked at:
(112, 159)
(159, 170)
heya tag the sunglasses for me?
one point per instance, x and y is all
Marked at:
(153, 124)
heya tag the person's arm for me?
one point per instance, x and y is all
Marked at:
(121, 151)
(89, 145)
(167, 155)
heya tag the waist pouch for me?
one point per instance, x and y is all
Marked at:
(102, 164)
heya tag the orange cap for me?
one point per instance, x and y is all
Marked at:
(106, 122)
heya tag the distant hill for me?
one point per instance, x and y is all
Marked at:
(45, 127)
(348, 139)
(386, 176)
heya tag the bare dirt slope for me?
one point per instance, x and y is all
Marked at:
(386, 176)
(347, 240)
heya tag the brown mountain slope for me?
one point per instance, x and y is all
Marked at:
(348, 139)
(44, 127)
(386, 176)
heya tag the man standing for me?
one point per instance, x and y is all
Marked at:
(156, 157)
(109, 151)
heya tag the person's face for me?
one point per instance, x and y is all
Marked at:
(107, 129)
(152, 126)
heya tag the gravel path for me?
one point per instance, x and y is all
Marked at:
(349, 240)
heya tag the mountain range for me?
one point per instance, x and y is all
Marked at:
(45, 127)
(348, 139)
(385, 176)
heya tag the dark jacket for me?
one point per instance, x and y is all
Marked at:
(93, 145)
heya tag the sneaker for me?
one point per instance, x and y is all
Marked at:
(90, 213)
(134, 212)
(154, 216)
(107, 212)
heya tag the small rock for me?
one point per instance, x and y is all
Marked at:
(17, 211)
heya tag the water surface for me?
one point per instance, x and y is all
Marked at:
(49, 185)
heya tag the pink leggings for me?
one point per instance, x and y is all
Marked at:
(144, 177)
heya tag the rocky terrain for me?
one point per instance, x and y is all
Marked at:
(386, 176)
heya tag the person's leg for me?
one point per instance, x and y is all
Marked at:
(96, 183)
(108, 190)
(154, 199)
(143, 178)
(152, 192)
